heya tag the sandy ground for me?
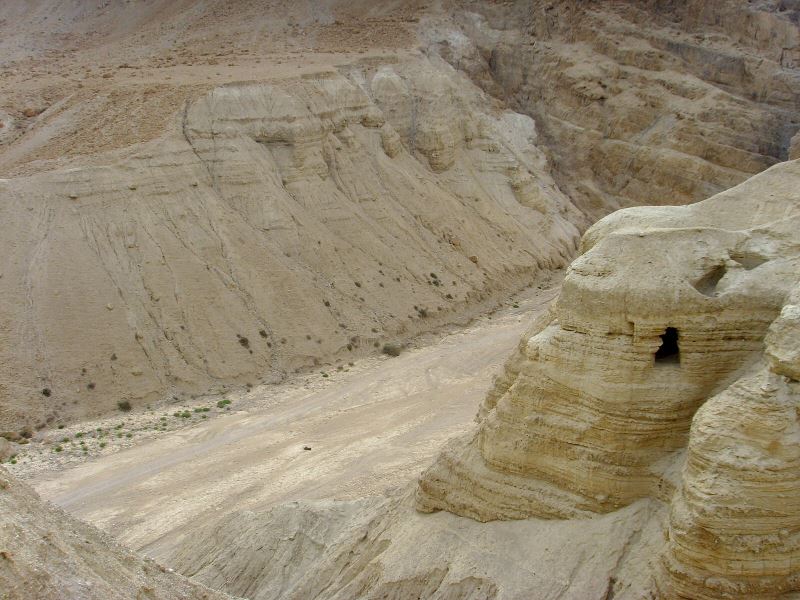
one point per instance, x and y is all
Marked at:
(368, 429)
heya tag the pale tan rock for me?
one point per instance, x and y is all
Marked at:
(668, 476)
(783, 340)
(48, 555)
(604, 397)
(639, 102)
(734, 529)
(257, 217)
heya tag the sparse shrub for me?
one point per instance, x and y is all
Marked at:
(245, 343)
(102, 444)
(391, 349)
(57, 449)
(46, 392)
(262, 333)
(223, 403)
(124, 406)
(90, 385)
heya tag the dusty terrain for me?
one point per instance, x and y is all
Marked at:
(369, 429)
(203, 195)
(218, 220)
(612, 458)
(47, 553)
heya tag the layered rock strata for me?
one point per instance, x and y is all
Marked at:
(666, 312)
(734, 529)
(639, 102)
(643, 441)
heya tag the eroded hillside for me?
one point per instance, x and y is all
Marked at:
(48, 554)
(201, 195)
(277, 226)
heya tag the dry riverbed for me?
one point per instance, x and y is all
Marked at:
(147, 476)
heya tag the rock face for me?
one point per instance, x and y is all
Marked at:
(277, 226)
(48, 555)
(644, 441)
(733, 531)
(734, 525)
(667, 310)
(654, 102)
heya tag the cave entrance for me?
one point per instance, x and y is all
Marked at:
(669, 352)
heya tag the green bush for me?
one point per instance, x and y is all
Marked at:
(124, 405)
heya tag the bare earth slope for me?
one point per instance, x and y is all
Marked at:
(45, 553)
(278, 226)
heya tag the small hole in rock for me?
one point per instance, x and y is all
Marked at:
(707, 284)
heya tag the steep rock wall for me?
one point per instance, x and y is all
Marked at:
(639, 102)
(676, 328)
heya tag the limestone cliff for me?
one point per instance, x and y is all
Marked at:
(655, 102)
(666, 311)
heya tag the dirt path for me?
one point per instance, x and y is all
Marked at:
(368, 429)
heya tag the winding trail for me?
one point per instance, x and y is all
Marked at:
(369, 429)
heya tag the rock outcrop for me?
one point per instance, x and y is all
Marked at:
(735, 525)
(654, 102)
(666, 312)
(641, 336)
(48, 555)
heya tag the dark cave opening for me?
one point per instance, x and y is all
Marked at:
(669, 352)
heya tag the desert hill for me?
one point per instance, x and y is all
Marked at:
(200, 195)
